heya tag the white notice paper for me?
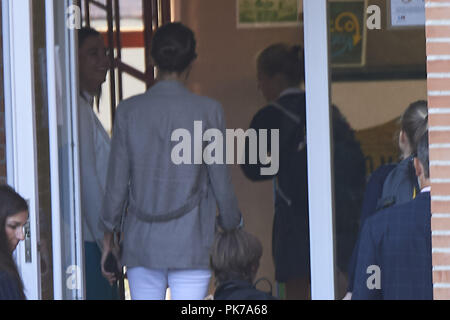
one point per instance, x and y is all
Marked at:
(407, 13)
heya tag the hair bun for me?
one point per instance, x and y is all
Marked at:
(169, 51)
(173, 47)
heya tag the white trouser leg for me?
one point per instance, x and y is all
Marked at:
(147, 284)
(189, 284)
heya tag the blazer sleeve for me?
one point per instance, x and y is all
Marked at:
(222, 186)
(118, 177)
(372, 194)
(365, 274)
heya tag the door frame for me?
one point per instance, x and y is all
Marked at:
(20, 130)
(320, 146)
(21, 146)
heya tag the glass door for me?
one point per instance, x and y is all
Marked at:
(62, 88)
(41, 131)
(20, 129)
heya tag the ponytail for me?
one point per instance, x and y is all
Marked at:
(414, 122)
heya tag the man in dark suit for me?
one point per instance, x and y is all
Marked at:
(394, 258)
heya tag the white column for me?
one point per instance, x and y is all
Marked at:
(54, 158)
(320, 171)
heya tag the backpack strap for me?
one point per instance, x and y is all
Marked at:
(286, 112)
(294, 118)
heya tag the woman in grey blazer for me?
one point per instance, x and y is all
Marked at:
(170, 222)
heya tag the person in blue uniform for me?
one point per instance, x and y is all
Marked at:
(394, 258)
(393, 184)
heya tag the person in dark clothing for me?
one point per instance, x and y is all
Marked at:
(393, 184)
(280, 76)
(349, 182)
(394, 259)
(13, 217)
(235, 261)
(372, 195)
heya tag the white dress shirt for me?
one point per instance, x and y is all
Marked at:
(94, 156)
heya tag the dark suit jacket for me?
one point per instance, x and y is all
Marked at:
(240, 290)
(372, 194)
(398, 241)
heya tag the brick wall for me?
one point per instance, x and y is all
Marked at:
(438, 53)
(2, 111)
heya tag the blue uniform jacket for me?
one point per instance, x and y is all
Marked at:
(398, 242)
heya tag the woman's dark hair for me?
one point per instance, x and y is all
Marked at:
(235, 256)
(11, 203)
(414, 122)
(283, 59)
(85, 33)
(173, 47)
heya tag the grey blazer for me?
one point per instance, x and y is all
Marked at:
(172, 209)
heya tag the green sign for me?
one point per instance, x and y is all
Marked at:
(254, 12)
(347, 32)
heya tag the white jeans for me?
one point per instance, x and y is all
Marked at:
(151, 284)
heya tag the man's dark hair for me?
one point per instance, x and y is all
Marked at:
(85, 33)
(423, 154)
(173, 47)
(235, 256)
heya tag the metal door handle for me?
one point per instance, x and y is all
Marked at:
(27, 232)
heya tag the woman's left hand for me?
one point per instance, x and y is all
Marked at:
(109, 247)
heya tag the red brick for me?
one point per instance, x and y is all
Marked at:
(439, 120)
(439, 101)
(441, 276)
(440, 154)
(437, 13)
(440, 172)
(441, 241)
(439, 137)
(438, 66)
(438, 84)
(440, 224)
(437, 31)
(441, 259)
(438, 48)
(441, 294)
(441, 189)
(440, 206)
